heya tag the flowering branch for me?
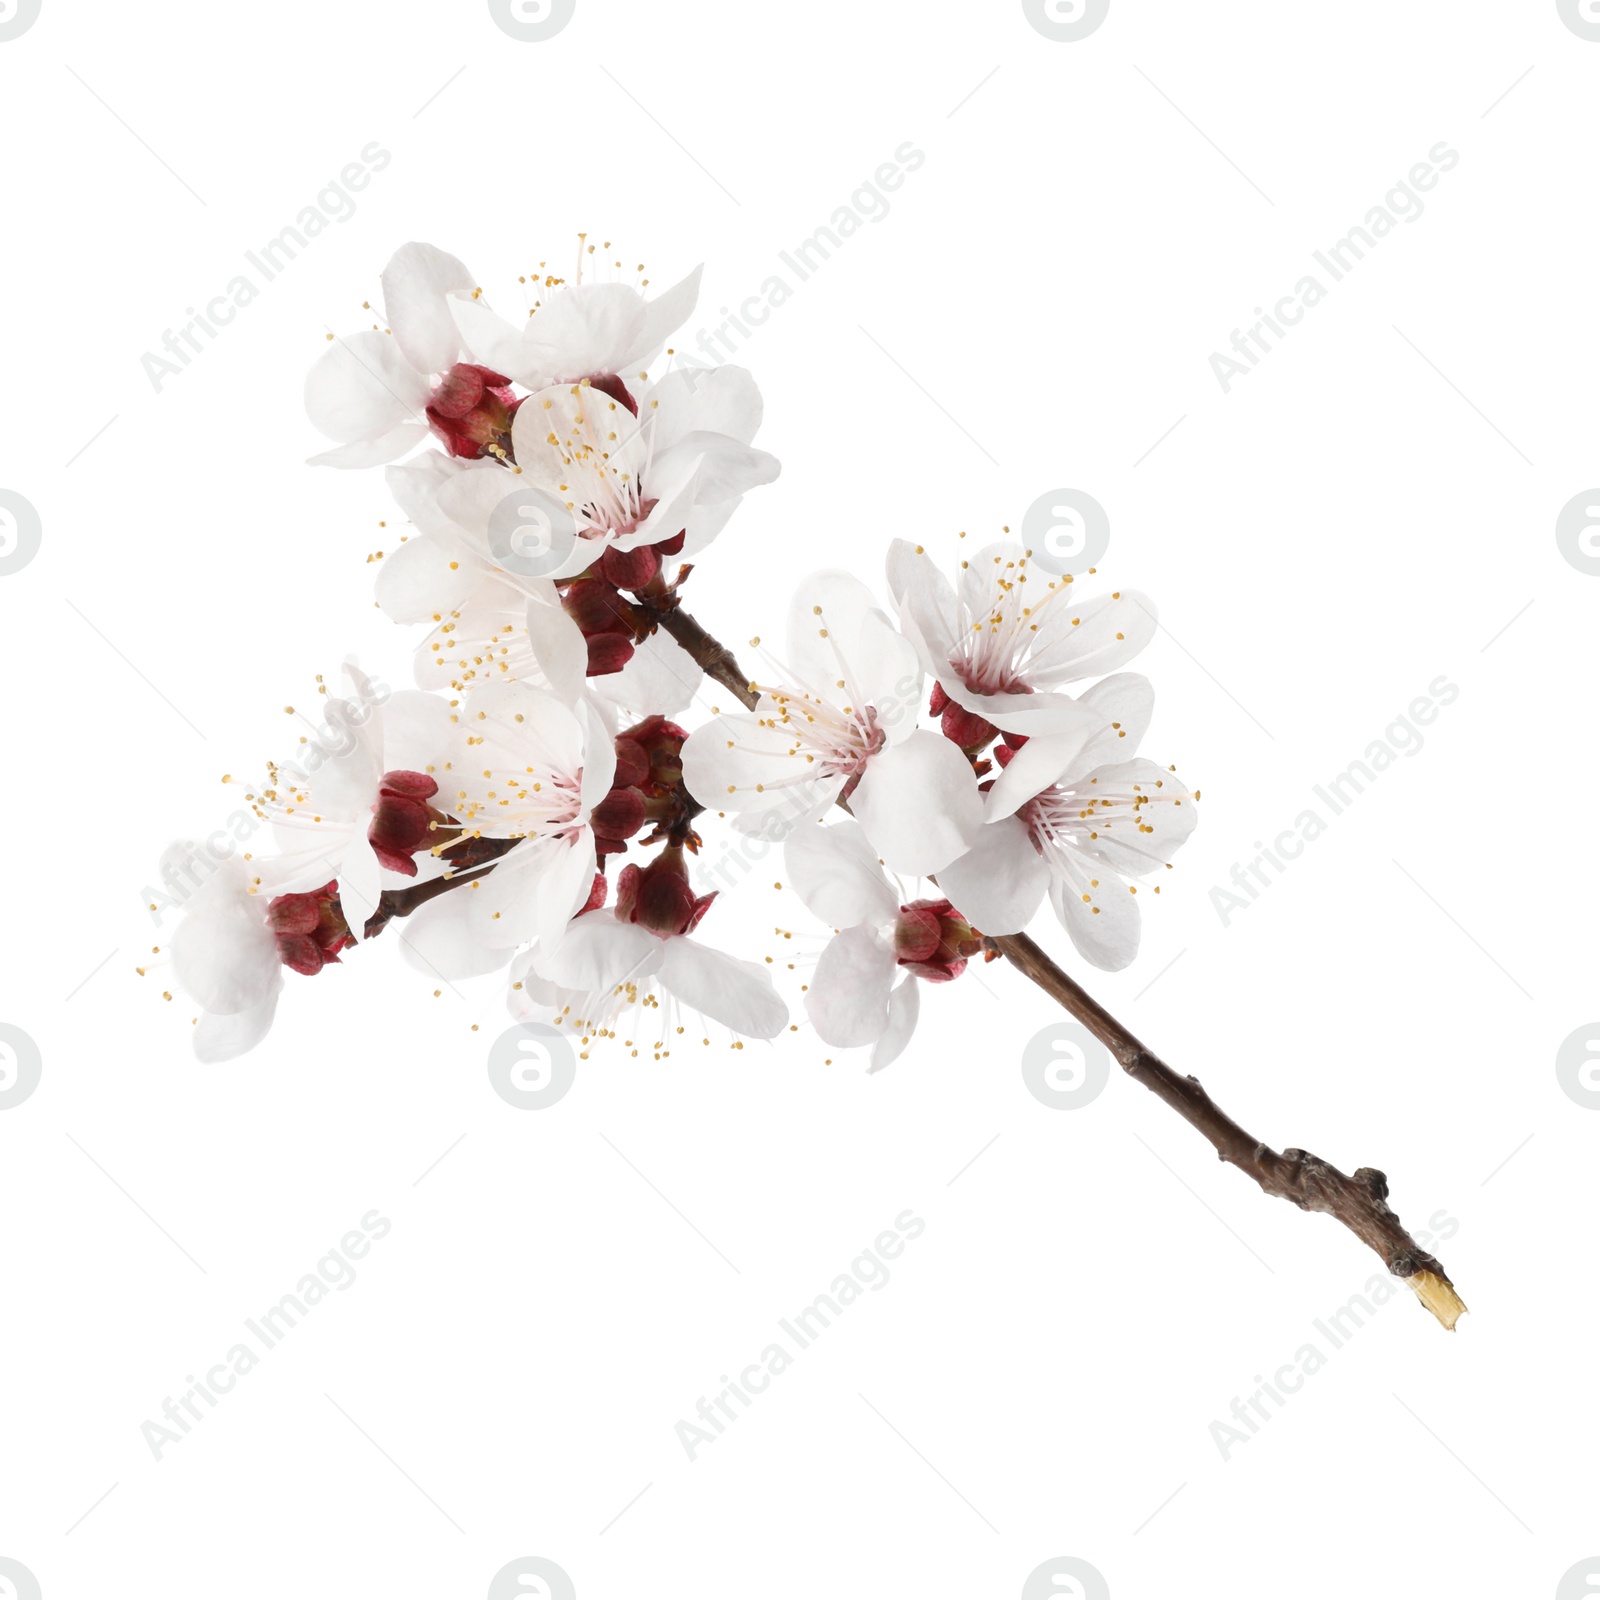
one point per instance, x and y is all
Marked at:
(1357, 1200)
(982, 736)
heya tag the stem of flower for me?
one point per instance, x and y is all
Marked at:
(1358, 1200)
(471, 861)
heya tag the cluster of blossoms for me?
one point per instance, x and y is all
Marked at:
(533, 806)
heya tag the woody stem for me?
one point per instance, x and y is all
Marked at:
(1357, 1200)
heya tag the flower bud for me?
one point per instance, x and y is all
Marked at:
(658, 897)
(471, 410)
(934, 940)
(402, 819)
(960, 726)
(610, 625)
(310, 929)
(616, 819)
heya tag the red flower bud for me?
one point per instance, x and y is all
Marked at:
(966, 728)
(634, 569)
(934, 940)
(402, 819)
(658, 897)
(662, 745)
(310, 929)
(471, 410)
(616, 819)
(633, 761)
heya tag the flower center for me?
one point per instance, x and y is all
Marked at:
(1000, 632)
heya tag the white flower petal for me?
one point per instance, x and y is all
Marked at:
(363, 387)
(1042, 761)
(386, 447)
(1111, 629)
(1032, 714)
(585, 330)
(848, 997)
(598, 951)
(738, 994)
(427, 576)
(836, 872)
(928, 609)
(689, 400)
(659, 679)
(1121, 841)
(904, 1003)
(1126, 701)
(663, 316)
(1099, 914)
(416, 732)
(223, 953)
(443, 939)
(726, 469)
(739, 762)
(492, 341)
(416, 284)
(558, 644)
(999, 884)
(360, 883)
(599, 758)
(218, 1037)
(919, 803)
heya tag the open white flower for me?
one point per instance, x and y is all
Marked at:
(1003, 640)
(606, 965)
(601, 481)
(582, 330)
(853, 998)
(369, 391)
(523, 767)
(1080, 826)
(841, 724)
(352, 803)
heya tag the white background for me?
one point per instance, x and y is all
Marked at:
(1373, 507)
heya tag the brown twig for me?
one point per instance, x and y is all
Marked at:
(473, 854)
(1358, 1201)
